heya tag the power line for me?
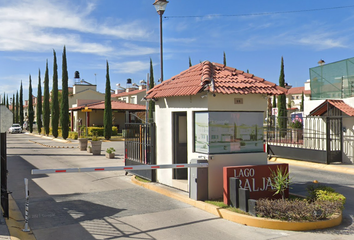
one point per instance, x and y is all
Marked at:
(264, 13)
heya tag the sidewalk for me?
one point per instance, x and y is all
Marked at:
(334, 167)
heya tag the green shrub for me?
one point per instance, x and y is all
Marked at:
(296, 124)
(312, 189)
(110, 150)
(73, 135)
(323, 195)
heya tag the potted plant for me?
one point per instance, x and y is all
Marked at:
(296, 130)
(96, 145)
(83, 144)
(110, 152)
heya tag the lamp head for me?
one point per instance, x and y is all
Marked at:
(160, 6)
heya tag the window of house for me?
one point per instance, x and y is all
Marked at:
(228, 132)
(132, 100)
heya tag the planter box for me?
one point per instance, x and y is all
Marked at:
(83, 144)
(96, 147)
(110, 155)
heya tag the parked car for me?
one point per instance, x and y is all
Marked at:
(15, 128)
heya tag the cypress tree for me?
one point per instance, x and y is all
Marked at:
(13, 109)
(190, 62)
(21, 105)
(54, 98)
(64, 108)
(151, 86)
(46, 109)
(30, 106)
(39, 103)
(274, 102)
(108, 108)
(17, 108)
(224, 59)
(302, 102)
(282, 120)
(7, 101)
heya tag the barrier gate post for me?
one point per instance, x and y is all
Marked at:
(26, 229)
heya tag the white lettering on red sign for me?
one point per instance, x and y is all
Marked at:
(250, 181)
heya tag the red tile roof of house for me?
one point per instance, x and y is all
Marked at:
(123, 94)
(298, 90)
(339, 104)
(116, 105)
(216, 78)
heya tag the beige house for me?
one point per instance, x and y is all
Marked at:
(83, 95)
(131, 95)
(213, 112)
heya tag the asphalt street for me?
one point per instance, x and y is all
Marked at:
(106, 205)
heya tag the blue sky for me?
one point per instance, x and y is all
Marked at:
(126, 33)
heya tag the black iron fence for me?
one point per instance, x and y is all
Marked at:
(139, 145)
(316, 138)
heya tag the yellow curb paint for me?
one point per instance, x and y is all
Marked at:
(320, 166)
(242, 218)
(15, 223)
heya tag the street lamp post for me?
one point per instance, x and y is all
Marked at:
(160, 6)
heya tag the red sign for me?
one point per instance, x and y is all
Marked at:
(255, 178)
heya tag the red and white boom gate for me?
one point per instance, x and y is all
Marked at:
(122, 168)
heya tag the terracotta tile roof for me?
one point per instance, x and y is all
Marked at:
(216, 78)
(123, 94)
(298, 90)
(339, 104)
(116, 105)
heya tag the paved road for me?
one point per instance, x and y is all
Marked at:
(106, 205)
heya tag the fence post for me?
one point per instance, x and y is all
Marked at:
(26, 229)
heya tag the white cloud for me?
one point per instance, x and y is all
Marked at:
(36, 25)
(129, 67)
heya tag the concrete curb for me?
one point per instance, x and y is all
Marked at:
(241, 218)
(320, 166)
(16, 223)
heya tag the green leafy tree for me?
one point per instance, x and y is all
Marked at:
(30, 106)
(21, 105)
(39, 103)
(46, 108)
(282, 120)
(274, 102)
(302, 102)
(224, 59)
(107, 108)
(64, 107)
(151, 85)
(54, 98)
(17, 108)
(190, 62)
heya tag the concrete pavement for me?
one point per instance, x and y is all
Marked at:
(51, 143)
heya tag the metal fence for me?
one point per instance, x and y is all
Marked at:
(310, 133)
(317, 138)
(139, 145)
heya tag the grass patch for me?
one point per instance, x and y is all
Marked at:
(142, 179)
(221, 204)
